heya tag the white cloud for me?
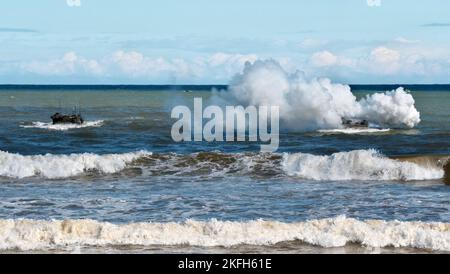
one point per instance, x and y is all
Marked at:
(402, 62)
(136, 64)
(383, 60)
(324, 59)
(396, 62)
(229, 64)
(225, 58)
(406, 41)
(405, 61)
(68, 64)
(73, 3)
(219, 66)
(133, 64)
(383, 55)
(311, 43)
(374, 3)
(130, 62)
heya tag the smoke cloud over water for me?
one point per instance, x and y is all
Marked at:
(318, 103)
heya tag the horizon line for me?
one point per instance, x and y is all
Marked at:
(182, 85)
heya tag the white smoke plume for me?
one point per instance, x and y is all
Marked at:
(318, 103)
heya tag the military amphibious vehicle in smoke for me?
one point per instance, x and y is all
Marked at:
(355, 123)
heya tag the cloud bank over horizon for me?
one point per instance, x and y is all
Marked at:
(402, 61)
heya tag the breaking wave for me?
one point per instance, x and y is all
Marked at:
(358, 165)
(353, 165)
(318, 103)
(354, 130)
(63, 127)
(332, 232)
(63, 166)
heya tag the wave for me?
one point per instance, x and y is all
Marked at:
(354, 130)
(63, 127)
(213, 164)
(430, 161)
(358, 165)
(331, 232)
(353, 165)
(63, 166)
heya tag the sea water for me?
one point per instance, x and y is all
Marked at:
(119, 183)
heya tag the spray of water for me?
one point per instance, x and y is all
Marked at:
(318, 103)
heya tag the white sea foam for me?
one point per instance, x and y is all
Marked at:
(356, 165)
(333, 232)
(354, 130)
(62, 166)
(353, 165)
(318, 103)
(63, 127)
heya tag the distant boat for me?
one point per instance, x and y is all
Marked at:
(186, 90)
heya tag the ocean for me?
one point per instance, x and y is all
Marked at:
(120, 184)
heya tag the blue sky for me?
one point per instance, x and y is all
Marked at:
(200, 41)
